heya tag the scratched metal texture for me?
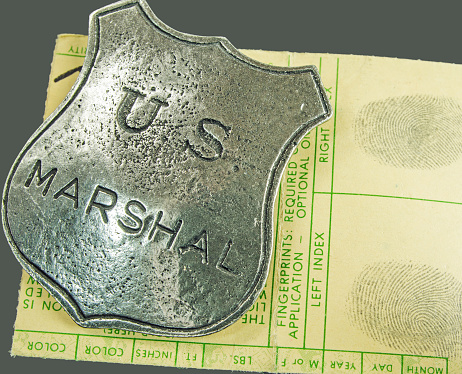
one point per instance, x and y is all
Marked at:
(145, 201)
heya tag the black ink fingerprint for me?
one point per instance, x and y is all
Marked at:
(418, 132)
(413, 308)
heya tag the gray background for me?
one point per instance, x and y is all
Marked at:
(426, 30)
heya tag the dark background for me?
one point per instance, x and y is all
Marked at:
(426, 30)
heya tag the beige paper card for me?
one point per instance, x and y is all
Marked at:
(367, 266)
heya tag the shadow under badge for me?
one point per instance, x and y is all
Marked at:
(145, 201)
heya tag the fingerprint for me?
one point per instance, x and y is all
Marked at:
(417, 132)
(413, 308)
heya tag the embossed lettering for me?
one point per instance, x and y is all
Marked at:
(209, 139)
(101, 206)
(37, 169)
(158, 227)
(221, 261)
(134, 221)
(137, 225)
(199, 244)
(138, 119)
(75, 197)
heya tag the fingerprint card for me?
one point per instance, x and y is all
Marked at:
(393, 209)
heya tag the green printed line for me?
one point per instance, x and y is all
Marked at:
(69, 54)
(288, 59)
(388, 196)
(320, 65)
(447, 366)
(376, 353)
(440, 358)
(76, 347)
(371, 353)
(203, 354)
(362, 362)
(330, 215)
(402, 364)
(87, 335)
(133, 350)
(48, 332)
(364, 352)
(217, 344)
(176, 353)
(277, 360)
(274, 264)
(92, 335)
(311, 236)
(303, 349)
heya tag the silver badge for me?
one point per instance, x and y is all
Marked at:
(145, 201)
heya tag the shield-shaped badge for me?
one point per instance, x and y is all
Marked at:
(145, 201)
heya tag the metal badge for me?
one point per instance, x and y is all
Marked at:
(145, 201)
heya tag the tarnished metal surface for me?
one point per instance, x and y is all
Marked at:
(145, 201)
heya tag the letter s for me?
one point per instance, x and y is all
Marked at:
(209, 139)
